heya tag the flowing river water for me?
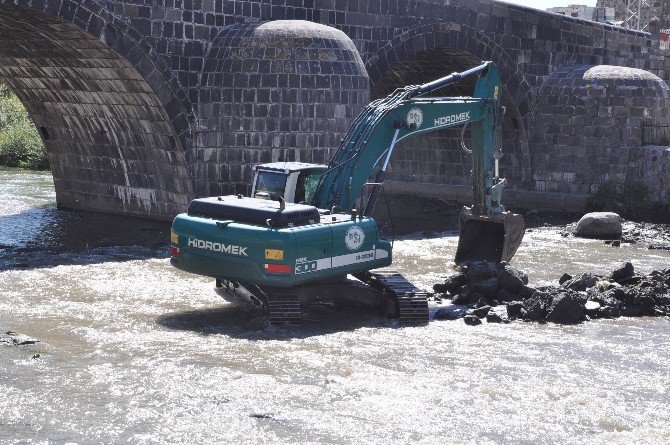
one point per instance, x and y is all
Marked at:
(134, 351)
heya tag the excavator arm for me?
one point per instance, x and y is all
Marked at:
(405, 113)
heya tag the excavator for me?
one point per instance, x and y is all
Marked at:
(305, 224)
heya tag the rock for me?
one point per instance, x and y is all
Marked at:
(16, 339)
(449, 313)
(475, 299)
(461, 299)
(662, 299)
(497, 314)
(487, 288)
(565, 277)
(514, 309)
(592, 308)
(625, 271)
(536, 306)
(480, 312)
(504, 296)
(452, 283)
(609, 312)
(511, 279)
(477, 271)
(527, 292)
(635, 279)
(493, 318)
(565, 308)
(646, 305)
(582, 282)
(599, 225)
(471, 320)
(631, 311)
(625, 296)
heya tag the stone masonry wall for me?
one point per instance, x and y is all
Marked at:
(161, 51)
(653, 167)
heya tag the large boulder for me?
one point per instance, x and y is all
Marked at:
(599, 225)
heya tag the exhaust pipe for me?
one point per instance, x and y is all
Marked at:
(488, 238)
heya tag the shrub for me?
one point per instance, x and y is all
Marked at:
(20, 143)
(630, 199)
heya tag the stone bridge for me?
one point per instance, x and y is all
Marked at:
(145, 105)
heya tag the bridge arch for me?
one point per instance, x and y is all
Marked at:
(433, 50)
(114, 120)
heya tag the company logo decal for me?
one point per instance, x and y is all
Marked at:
(454, 118)
(354, 238)
(415, 117)
(218, 247)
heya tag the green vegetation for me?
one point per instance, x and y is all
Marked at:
(629, 199)
(20, 143)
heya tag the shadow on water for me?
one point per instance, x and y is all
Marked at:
(247, 322)
(45, 236)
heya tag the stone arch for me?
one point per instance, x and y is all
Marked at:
(424, 53)
(113, 119)
(130, 44)
(282, 90)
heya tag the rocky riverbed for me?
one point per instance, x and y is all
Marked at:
(500, 293)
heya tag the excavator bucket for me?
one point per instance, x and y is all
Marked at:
(488, 238)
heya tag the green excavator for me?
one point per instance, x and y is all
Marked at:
(307, 223)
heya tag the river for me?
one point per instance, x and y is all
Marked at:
(134, 351)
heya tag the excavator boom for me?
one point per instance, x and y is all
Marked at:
(488, 232)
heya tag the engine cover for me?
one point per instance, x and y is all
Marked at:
(254, 211)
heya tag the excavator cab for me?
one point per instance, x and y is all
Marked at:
(291, 181)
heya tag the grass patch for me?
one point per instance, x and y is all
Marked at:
(20, 143)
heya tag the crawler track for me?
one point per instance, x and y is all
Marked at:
(410, 302)
(407, 303)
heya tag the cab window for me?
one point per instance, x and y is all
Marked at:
(273, 183)
(308, 181)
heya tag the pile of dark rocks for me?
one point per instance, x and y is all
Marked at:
(500, 293)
